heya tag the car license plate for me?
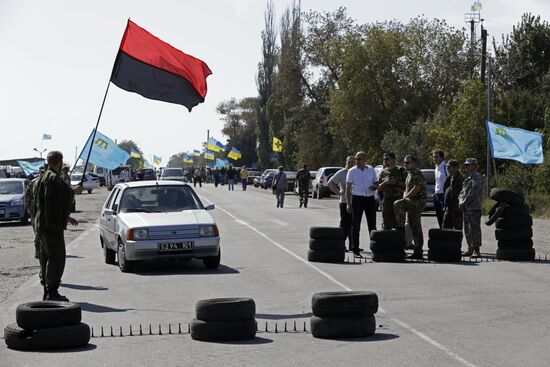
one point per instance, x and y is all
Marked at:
(168, 247)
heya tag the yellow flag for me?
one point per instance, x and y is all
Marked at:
(277, 145)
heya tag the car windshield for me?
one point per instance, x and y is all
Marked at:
(11, 187)
(290, 175)
(76, 177)
(331, 171)
(177, 172)
(152, 199)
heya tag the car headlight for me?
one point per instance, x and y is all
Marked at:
(137, 234)
(208, 231)
(16, 202)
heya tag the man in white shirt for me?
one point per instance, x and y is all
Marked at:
(125, 175)
(441, 174)
(361, 184)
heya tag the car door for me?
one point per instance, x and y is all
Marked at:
(108, 218)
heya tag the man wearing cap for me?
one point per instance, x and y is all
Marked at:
(452, 215)
(412, 205)
(392, 183)
(470, 200)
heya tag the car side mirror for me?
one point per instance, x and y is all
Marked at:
(209, 207)
(108, 212)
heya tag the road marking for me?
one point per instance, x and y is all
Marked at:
(404, 325)
(279, 222)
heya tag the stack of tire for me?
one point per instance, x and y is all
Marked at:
(444, 245)
(326, 245)
(339, 315)
(513, 224)
(387, 246)
(224, 319)
(47, 325)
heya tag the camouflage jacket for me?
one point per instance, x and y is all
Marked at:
(303, 177)
(472, 192)
(397, 173)
(52, 200)
(415, 177)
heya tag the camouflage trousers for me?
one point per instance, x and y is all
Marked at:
(472, 228)
(452, 218)
(52, 258)
(388, 212)
(411, 211)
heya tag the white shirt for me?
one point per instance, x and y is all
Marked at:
(361, 180)
(441, 174)
(124, 175)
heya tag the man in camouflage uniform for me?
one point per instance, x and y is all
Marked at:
(470, 200)
(452, 215)
(303, 178)
(392, 182)
(412, 205)
(29, 204)
(52, 207)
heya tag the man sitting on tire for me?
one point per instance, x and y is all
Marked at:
(470, 200)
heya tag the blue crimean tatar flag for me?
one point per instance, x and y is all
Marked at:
(30, 168)
(105, 152)
(516, 144)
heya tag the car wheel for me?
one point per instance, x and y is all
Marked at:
(314, 194)
(90, 191)
(212, 262)
(124, 265)
(319, 193)
(25, 218)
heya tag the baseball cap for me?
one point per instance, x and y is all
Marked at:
(470, 161)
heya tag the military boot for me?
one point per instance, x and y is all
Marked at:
(45, 295)
(53, 295)
(469, 252)
(476, 253)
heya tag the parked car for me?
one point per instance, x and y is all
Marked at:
(12, 200)
(175, 174)
(147, 220)
(90, 183)
(148, 174)
(312, 174)
(100, 173)
(257, 181)
(251, 176)
(320, 182)
(291, 180)
(429, 175)
(267, 178)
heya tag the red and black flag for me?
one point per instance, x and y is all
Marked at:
(151, 67)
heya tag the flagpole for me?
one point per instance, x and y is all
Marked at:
(489, 97)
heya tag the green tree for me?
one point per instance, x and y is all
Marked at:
(127, 145)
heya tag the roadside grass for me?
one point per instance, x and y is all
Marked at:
(539, 205)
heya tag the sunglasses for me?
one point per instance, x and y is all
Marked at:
(408, 162)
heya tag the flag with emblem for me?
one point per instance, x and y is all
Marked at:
(516, 144)
(277, 145)
(104, 151)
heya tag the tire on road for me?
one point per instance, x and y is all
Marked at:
(514, 222)
(516, 255)
(495, 213)
(64, 337)
(513, 233)
(445, 234)
(327, 244)
(381, 246)
(389, 257)
(213, 331)
(445, 256)
(510, 197)
(523, 244)
(344, 304)
(343, 327)
(325, 256)
(335, 233)
(17, 338)
(387, 236)
(444, 245)
(225, 309)
(515, 211)
(47, 314)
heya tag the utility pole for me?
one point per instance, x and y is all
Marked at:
(483, 51)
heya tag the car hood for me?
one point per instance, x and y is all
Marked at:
(183, 218)
(175, 178)
(9, 197)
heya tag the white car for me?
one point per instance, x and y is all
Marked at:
(90, 183)
(172, 174)
(146, 220)
(320, 182)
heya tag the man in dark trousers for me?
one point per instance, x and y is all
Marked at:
(452, 216)
(52, 207)
(303, 178)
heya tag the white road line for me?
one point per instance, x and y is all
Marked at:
(404, 325)
(279, 222)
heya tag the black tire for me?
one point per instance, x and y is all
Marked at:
(90, 191)
(17, 338)
(319, 193)
(214, 331)
(47, 314)
(124, 265)
(514, 222)
(327, 244)
(444, 245)
(212, 262)
(314, 194)
(225, 309)
(516, 255)
(335, 233)
(524, 244)
(495, 213)
(64, 337)
(321, 256)
(380, 246)
(448, 235)
(387, 236)
(509, 234)
(510, 197)
(344, 304)
(445, 256)
(389, 257)
(343, 327)
(515, 211)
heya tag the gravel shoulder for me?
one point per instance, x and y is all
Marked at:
(17, 262)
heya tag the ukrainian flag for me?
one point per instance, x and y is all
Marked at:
(134, 153)
(209, 155)
(212, 145)
(234, 154)
(156, 159)
(196, 153)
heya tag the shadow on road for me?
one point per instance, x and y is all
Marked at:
(377, 337)
(272, 316)
(86, 348)
(83, 287)
(14, 224)
(256, 341)
(151, 268)
(73, 257)
(90, 307)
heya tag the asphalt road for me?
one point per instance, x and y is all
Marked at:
(467, 314)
